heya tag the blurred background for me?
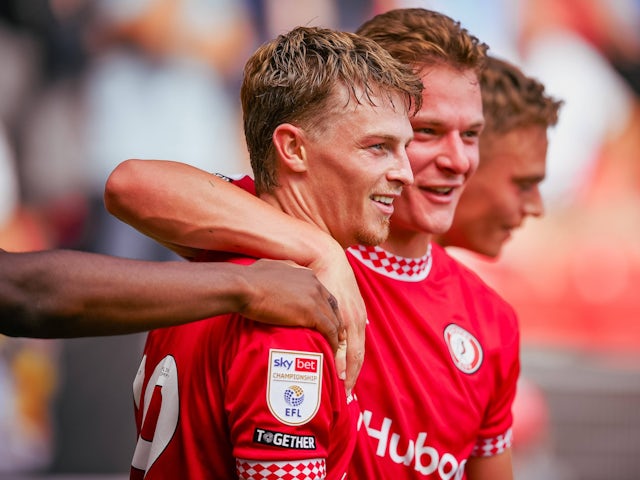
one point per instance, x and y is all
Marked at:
(86, 84)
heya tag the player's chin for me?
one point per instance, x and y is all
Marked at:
(441, 224)
(440, 219)
(374, 233)
(491, 252)
(490, 246)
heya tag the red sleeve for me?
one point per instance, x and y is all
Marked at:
(285, 403)
(495, 433)
(245, 182)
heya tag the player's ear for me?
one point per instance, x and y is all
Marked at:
(288, 140)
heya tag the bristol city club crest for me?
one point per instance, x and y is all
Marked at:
(464, 348)
(294, 385)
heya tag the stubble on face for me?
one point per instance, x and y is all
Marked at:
(374, 236)
(362, 154)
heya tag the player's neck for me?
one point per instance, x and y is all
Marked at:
(295, 204)
(407, 244)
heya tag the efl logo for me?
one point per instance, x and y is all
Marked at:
(308, 365)
(294, 385)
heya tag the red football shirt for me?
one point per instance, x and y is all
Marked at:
(441, 366)
(227, 397)
(440, 370)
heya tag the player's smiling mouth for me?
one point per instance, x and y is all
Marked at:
(382, 199)
(438, 190)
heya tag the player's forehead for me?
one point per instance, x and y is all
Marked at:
(521, 152)
(450, 97)
(355, 112)
(351, 97)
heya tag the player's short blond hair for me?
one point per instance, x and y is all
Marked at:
(296, 79)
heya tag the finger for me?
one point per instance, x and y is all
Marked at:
(354, 353)
(329, 330)
(341, 340)
(334, 306)
(330, 325)
(341, 359)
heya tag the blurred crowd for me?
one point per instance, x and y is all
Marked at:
(86, 84)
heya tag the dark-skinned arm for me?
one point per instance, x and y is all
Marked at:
(64, 293)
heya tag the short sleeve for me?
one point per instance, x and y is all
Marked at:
(495, 434)
(283, 399)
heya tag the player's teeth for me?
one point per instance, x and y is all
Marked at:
(385, 200)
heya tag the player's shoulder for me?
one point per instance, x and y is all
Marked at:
(192, 333)
(491, 317)
(467, 279)
(244, 181)
(268, 336)
(443, 261)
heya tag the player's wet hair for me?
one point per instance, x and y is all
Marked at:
(424, 38)
(297, 77)
(511, 100)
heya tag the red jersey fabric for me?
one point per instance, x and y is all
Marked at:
(440, 371)
(227, 397)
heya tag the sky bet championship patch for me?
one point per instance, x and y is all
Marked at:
(294, 385)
